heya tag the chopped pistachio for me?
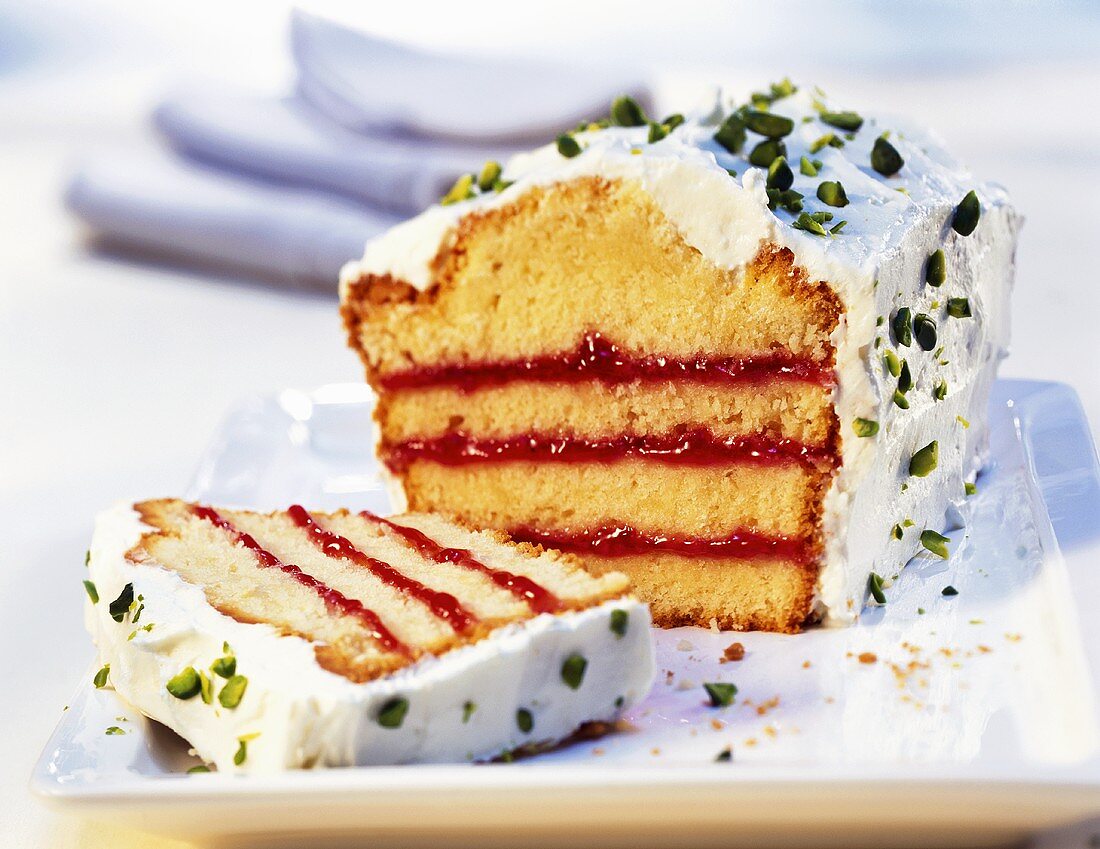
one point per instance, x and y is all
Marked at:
(885, 158)
(896, 532)
(619, 702)
(673, 121)
(463, 189)
(920, 611)
(905, 378)
(827, 140)
(233, 691)
(765, 153)
(893, 364)
(832, 193)
(875, 585)
(87, 557)
(924, 329)
(656, 132)
(808, 223)
(468, 709)
(392, 713)
(806, 167)
(907, 522)
(572, 671)
(902, 325)
(842, 120)
(949, 591)
(865, 427)
(525, 720)
(924, 462)
(789, 200)
(959, 307)
(567, 146)
(226, 666)
(100, 679)
(490, 174)
(89, 588)
(967, 214)
(970, 488)
(780, 175)
(619, 621)
(206, 688)
(934, 542)
(185, 685)
(121, 605)
(939, 391)
(836, 228)
(196, 770)
(768, 124)
(625, 112)
(242, 747)
(935, 272)
(721, 694)
(731, 134)
(963, 422)
(901, 400)
(501, 185)
(113, 730)
(724, 756)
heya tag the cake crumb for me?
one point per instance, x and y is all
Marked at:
(751, 741)
(684, 645)
(734, 652)
(714, 629)
(771, 731)
(717, 724)
(599, 750)
(868, 657)
(669, 675)
(1014, 638)
(806, 664)
(655, 752)
(763, 708)
(685, 684)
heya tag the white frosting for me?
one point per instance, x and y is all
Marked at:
(306, 716)
(875, 265)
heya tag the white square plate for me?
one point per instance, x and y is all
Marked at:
(936, 720)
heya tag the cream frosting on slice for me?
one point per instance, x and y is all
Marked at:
(875, 264)
(462, 705)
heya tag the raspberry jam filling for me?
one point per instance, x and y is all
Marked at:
(597, 358)
(625, 541)
(694, 447)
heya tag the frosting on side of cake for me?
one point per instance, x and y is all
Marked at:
(461, 706)
(875, 264)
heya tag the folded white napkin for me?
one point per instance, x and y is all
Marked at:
(286, 140)
(146, 201)
(292, 187)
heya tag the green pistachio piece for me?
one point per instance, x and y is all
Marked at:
(619, 621)
(720, 694)
(392, 713)
(185, 685)
(572, 671)
(967, 214)
(902, 325)
(832, 193)
(567, 146)
(525, 720)
(233, 691)
(935, 272)
(924, 462)
(865, 427)
(885, 158)
(934, 542)
(875, 586)
(768, 124)
(626, 112)
(924, 330)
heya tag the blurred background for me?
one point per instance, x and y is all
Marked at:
(180, 183)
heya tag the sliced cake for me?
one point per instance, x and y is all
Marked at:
(743, 357)
(299, 639)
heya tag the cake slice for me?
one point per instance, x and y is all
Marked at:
(300, 639)
(743, 357)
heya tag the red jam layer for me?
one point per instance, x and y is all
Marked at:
(443, 605)
(540, 599)
(695, 447)
(334, 599)
(597, 358)
(625, 541)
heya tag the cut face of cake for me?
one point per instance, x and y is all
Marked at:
(297, 638)
(743, 358)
